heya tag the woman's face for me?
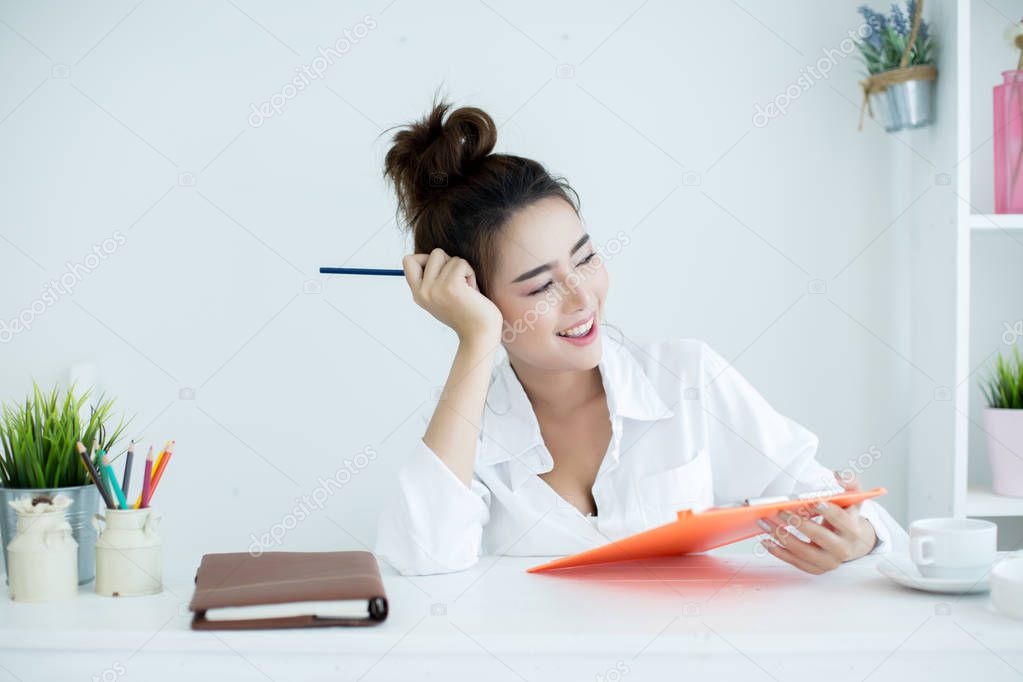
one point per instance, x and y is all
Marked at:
(549, 280)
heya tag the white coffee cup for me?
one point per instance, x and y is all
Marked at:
(953, 548)
(1007, 586)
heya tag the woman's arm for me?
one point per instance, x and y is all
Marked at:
(777, 456)
(455, 425)
(431, 522)
(434, 520)
(446, 287)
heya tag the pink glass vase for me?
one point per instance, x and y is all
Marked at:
(1008, 141)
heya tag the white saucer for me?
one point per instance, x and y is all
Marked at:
(902, 570)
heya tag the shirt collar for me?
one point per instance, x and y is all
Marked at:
(509, 425)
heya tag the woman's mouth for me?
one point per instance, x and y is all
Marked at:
(581, 334)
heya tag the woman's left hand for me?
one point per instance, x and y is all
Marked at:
(842, 536)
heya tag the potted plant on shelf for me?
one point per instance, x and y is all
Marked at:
(1003, 424)
(38, 459)
(898, 53)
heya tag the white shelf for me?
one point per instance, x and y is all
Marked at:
(981, 501)
(996, 221)
(979, 57)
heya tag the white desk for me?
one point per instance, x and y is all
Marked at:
(728, 614)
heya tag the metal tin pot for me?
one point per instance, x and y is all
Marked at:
(909, 104)
(85, 503)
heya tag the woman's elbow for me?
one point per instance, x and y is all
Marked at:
(408, 554)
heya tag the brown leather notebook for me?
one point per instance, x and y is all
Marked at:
(239, 591)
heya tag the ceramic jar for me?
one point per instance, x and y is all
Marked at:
(42, 559)
(129, 553)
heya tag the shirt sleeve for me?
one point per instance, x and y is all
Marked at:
(432, 523)
(775, 455)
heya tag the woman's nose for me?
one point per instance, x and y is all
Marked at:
(578, 297)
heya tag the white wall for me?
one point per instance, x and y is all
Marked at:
(106, 108)
(931, 247)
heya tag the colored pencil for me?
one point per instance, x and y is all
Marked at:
(126, 479)
(94, 475)
(156, 463)
(158, 473)
(362, 271)
(111, 479)
(147, 480)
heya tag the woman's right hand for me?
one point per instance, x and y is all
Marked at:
(445, 286)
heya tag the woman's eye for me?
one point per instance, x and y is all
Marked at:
(547, 286)
(542, 289)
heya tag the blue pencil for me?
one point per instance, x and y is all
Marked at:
(361, 271)
(111, 479)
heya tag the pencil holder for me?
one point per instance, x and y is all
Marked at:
(129, 553)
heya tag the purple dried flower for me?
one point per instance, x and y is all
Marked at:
(899, 20)
(877, 23)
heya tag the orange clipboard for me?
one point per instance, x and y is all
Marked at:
(699, 532)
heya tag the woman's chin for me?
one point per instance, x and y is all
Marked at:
(580, 357)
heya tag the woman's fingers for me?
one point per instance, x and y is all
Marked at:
(850, 525)
(818, 534)
(807, 551)
(845, 521)
(470, 279)
(434, 264)
(413, 264)
(460, 273)
(851, 483)
(455, 268)
(422, 268)
(787, 556)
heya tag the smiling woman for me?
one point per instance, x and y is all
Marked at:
(551, 435)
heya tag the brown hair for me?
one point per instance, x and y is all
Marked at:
(457, 195)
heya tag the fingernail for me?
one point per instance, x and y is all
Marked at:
(765, 525)
(820, 506)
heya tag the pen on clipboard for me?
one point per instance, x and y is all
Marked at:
(750, 501)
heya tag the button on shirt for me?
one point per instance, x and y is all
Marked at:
(688, 431)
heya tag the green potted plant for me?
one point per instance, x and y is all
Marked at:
(898, 52)
(38, 458)
(1003, 424)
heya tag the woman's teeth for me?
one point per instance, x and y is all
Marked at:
(581, 330)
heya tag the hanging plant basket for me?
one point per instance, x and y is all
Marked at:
(902, 96)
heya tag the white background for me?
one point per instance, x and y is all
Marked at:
(134, 119)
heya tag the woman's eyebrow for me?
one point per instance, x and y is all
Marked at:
(547, 266)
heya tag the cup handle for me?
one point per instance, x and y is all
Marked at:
(96, 518)
(152, 521)
(917, 552)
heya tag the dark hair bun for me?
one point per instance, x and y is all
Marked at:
(432, 154)
(456, 193)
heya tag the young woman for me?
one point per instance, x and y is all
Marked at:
(554, 433)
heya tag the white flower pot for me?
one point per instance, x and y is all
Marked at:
(1004, 430)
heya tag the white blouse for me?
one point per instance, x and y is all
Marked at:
(688, 431)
